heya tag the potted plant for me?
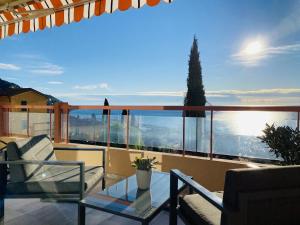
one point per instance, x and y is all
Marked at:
(143, 171)
(284, 142)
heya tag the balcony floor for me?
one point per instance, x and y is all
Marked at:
(34, 212)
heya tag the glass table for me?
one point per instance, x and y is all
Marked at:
(126, 200)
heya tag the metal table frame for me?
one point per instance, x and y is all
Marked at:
(144, 221)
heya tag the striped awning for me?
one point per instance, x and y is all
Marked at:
(17, 16)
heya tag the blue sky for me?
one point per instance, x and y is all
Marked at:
(250, 54)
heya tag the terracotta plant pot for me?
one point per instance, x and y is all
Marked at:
(143, 178)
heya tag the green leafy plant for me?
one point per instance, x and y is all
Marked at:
(144, 163)
(284, 142)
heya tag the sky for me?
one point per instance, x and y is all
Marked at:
(249, 50)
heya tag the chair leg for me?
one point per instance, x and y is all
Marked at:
(81, 214)
(1, 211)
(103, 183)
(173, 200)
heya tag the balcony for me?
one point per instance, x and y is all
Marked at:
(204, 148)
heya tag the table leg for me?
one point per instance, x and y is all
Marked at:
(145, 223)
(1, 210)
(81, 214)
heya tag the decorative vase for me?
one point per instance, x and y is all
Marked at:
(143, 178)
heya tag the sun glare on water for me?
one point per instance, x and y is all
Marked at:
(250, 123)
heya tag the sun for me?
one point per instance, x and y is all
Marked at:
(255, 47)
(253, 51)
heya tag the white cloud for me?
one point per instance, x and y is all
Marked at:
(161, 93)
(92, 87)
(256, 92)
(269, 101)
(47, 69)
(215, 94)
(7, 66)
(103, 86)
(265, 53)
(55, 82)
(150, 93)
(82, 98)
(275, 96)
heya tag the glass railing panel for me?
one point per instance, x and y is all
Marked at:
(39, 123)
(156, 129)
(197, 134)
(87, 125)
(18, 123)
(118, 127)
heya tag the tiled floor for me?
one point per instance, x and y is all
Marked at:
(34, 212)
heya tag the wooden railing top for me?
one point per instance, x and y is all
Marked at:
(26, 106)
(162, 108)
(196, 108)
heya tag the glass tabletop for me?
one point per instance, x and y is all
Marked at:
(124, 197)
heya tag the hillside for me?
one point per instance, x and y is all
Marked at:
(8, 86)
(5, 84)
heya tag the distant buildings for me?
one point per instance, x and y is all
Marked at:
(25, 96)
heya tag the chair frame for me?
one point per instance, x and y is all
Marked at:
(241, 214)
(49, 196)
(176, 175)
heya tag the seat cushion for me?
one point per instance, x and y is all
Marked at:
(35, 148)
(57, 179)
(198, 211)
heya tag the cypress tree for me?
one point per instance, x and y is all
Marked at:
(105, 111)
(195, 95)
(104, 131)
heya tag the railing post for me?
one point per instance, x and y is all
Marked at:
(66, 114)
(50, 124)
(27, 121)
(4, 122)
(196, 134)
(57, 122)
(211, 135)
(8, 124)
(59, 108)
(183, 134)
(108, 129)
(298, 120)
(127, 130)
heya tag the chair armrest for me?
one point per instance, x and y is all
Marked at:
(206, 194)
(43, 162)
(78, 149)
(103, 150)
(5, 145)
(3, 142)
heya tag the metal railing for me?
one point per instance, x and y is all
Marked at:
(61, 113)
